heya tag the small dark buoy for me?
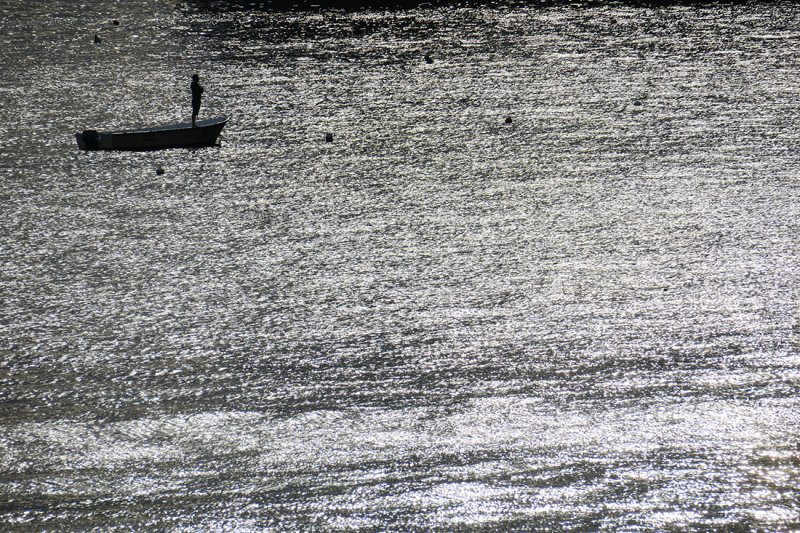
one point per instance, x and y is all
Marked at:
(159, 171)
(613, 20)
(329, 137)
(509, 120)
(97, 39)
(115, 22)
(428, 59)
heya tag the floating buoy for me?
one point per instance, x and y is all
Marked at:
(509, 120)
(115, 22)
(613, 20)
(329, 137)
(97, 39)
(428, 59)
(159, 171)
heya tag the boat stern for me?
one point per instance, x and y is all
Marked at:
(88, 139)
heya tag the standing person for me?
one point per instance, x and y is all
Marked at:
(197, 95)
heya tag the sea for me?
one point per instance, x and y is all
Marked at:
(488, 267)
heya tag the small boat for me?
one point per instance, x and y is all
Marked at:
(182, 135)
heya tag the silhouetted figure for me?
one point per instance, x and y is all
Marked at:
(197, 96)
(428, 59)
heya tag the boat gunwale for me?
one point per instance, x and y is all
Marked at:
(170, 127)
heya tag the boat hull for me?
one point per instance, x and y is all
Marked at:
(173, 136)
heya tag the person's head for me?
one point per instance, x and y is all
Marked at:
(195, 77)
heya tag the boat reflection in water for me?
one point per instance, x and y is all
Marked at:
(171, 136)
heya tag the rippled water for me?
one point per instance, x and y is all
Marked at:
(582, 320)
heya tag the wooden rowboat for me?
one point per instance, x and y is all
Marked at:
(156, 138)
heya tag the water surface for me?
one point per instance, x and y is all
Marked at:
(582, 320)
